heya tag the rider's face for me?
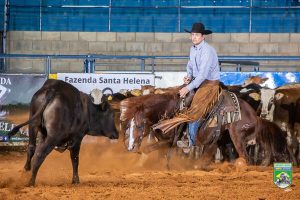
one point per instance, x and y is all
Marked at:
(197, 38)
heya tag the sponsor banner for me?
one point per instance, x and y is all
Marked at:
(16, 92)
(276, 79)
(18, 89)
(116, 81)
(126, 80)
(282, 174)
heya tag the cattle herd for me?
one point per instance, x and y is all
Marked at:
(266, 130)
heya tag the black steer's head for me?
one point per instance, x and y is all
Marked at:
(102, 121)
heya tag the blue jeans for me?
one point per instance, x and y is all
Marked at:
(193, 130)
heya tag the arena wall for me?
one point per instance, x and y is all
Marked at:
(141, 43)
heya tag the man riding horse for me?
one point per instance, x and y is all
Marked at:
(203, 74)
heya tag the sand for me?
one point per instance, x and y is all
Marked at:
(108, 171)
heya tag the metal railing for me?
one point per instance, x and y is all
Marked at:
(89, 61)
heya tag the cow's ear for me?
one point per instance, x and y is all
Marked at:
(264, 79)
(279, 96)
(254, 96)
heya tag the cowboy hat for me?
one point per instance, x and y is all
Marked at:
(199, 28)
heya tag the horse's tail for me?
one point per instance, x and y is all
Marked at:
(49, 96)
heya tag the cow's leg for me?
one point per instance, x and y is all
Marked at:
(31, 147)
(43, 149)
(74, 153)
(256, 152)
(251, 154)
(267, 157)
(30, 152)
(292, 156)
(298, 154)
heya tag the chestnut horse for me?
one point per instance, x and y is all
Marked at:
(232, 114)
(138, 114)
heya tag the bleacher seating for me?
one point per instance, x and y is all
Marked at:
(151, 15)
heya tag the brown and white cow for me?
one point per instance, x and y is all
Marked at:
(281, 105)
(255, 80)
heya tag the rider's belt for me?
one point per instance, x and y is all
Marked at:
(211, 82)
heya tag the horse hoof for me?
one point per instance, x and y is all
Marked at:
(240, 164)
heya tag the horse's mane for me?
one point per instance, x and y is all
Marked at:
(129, 106)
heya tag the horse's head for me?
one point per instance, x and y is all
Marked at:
(136, 130)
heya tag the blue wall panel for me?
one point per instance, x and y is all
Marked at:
(83, 19)
(144, 20)
(145, 3)
(2, 14)
(153, 15)
(275, 20)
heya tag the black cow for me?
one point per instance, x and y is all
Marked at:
(272, 140)
(61, 115)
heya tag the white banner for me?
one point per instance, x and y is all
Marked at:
(87, 82)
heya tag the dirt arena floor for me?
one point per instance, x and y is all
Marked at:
(108, 171)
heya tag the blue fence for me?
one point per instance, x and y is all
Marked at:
(89, 64)
(152, 15)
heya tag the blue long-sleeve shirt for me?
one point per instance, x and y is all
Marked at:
(203, 64)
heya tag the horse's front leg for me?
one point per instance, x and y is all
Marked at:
(237, 136)
(155, 146)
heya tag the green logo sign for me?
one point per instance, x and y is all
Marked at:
(282, 174)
